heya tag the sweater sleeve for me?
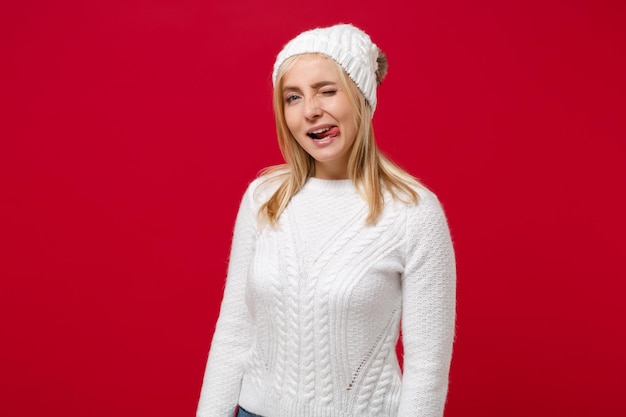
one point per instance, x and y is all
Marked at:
(428, 309)
(232, 337)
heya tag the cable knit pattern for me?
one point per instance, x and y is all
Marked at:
(312, 309)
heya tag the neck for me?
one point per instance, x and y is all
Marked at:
(329, 171)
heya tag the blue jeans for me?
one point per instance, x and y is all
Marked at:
(244, 413)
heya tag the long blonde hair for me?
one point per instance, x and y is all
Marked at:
(369, 169)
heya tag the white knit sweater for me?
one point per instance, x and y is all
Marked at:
(311, 311)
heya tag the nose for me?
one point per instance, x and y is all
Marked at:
(312, 109)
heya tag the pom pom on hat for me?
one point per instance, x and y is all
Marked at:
(348, 45)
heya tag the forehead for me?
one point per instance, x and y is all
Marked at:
(307, 68)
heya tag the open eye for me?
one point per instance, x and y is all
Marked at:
(291, 98)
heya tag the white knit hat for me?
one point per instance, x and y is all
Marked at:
(352, 48)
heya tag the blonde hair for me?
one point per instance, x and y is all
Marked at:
(371, 172)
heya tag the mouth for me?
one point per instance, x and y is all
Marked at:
(323, 132)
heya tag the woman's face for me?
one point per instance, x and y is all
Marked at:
(319, 115)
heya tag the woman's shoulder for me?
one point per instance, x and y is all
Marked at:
(427, 205)
(426, 195)
(266, 184)
(411, 195)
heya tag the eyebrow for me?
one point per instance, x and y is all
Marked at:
(315, 86)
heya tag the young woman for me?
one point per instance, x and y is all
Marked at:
(332, 251)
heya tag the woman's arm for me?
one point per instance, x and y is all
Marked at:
(231, 340)
(428, 309)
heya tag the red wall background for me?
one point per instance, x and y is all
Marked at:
(130, 129)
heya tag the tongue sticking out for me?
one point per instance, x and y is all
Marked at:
(333, 131)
